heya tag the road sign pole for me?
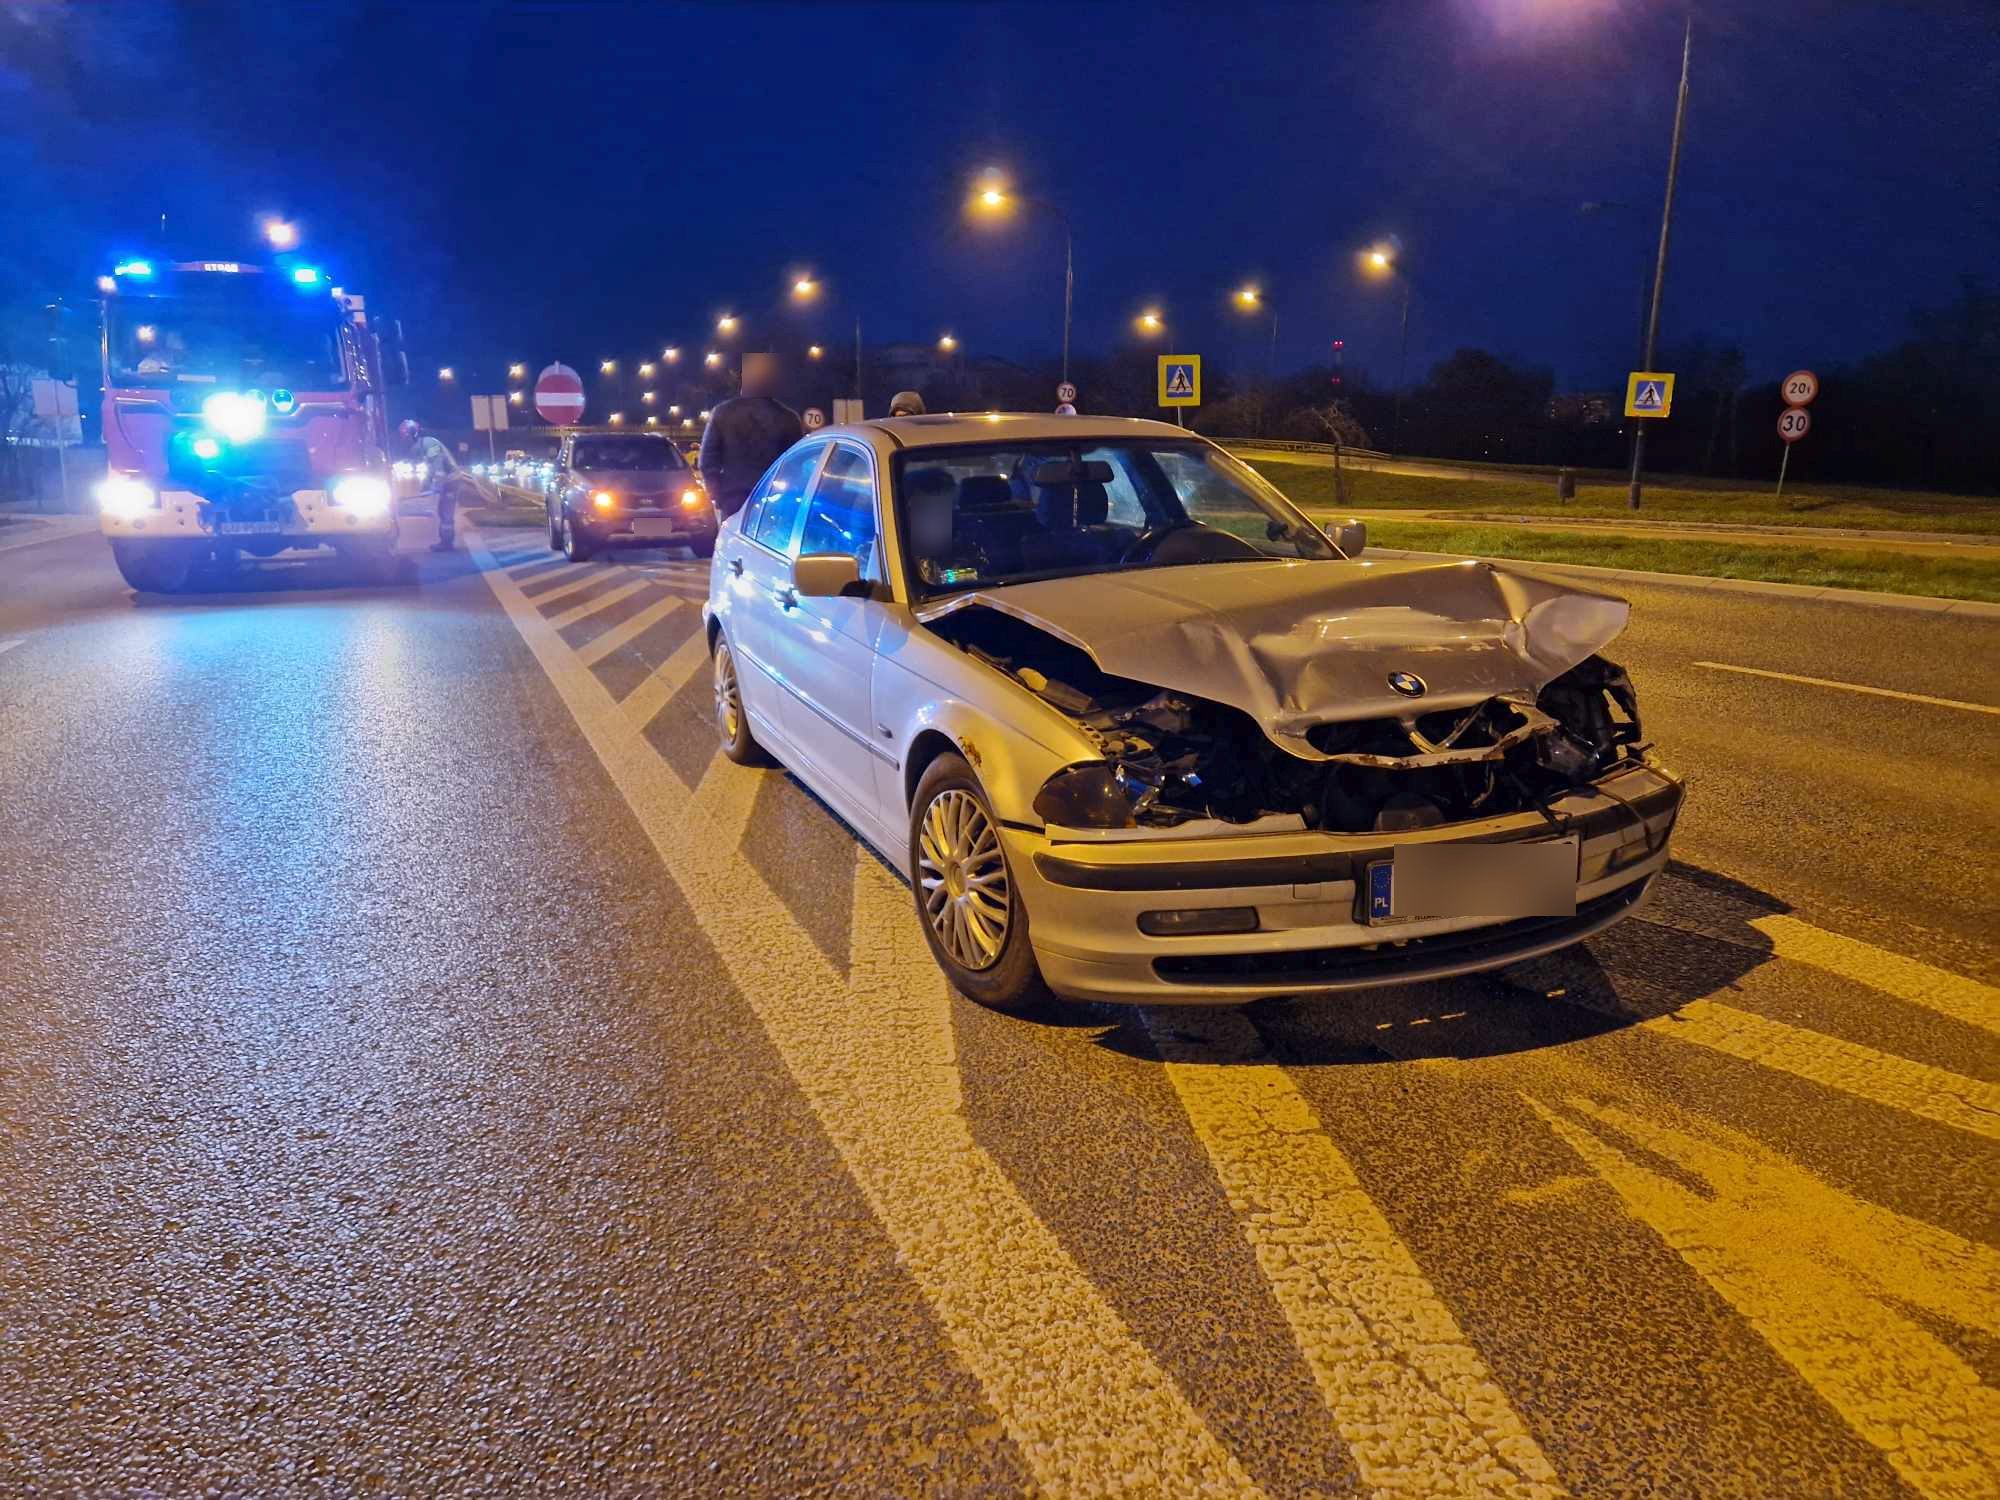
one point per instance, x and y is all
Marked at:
(1784, 460)
(1660, 264)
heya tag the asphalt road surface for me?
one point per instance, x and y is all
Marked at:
(426, 1068)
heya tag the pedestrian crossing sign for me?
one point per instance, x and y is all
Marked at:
(1180, 380)
(1649, 393)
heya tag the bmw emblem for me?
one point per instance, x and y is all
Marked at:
(1409, 684)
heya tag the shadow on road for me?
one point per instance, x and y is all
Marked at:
(284, 577)
(1693, 940)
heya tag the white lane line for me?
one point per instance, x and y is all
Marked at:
(6, 646)
(668, 678)
(600, 646)
(1419, 1409)
(1907, 979)
(1851, 687)
(1089, 1409)
(596, 604)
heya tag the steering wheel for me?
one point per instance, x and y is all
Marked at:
(1186, 542)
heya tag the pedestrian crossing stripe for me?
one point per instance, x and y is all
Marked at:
(1649, 393)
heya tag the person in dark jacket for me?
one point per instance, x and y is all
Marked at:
(745, 436)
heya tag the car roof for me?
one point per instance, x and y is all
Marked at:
(951, 429)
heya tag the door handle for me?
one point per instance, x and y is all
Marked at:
(736, 566)
(787, 598)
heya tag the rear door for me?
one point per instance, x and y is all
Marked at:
(825, 648)
(755, 562)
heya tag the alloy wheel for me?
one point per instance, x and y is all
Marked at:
(728, 702)
(963, 876)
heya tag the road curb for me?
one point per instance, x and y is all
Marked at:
(1978, 609)
(45, 529)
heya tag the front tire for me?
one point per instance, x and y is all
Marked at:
(576, 543)
(967, 901)
(154, 567)
(732, 724)
(555, 533)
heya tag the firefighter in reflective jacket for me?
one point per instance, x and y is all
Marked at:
(437, 472)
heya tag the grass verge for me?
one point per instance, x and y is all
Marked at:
(1841, 506)
(1892, 573)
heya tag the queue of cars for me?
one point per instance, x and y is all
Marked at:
(1137, 730)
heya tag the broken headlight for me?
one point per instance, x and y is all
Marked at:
(1104, 795)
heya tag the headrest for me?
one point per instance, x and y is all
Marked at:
(977, 492)
(1062, 506)
(932, 483)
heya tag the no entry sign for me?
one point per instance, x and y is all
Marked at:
(559, 395)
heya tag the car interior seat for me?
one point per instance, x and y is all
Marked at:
(1074, 533)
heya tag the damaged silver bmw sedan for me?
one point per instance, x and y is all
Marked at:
(1138, 730)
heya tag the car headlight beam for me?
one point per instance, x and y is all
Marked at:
(362, 495)
(126, 497)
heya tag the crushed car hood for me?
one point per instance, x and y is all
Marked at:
(1295, 644)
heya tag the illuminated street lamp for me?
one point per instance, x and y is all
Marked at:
(646, 371)
(107, 283)
(647, 397)
(607, 367)
(616, 418)
(711, 359)
(671, 354)
(726, 324)
(1150, 323)
(813, 351)
(280, 234)
(704, 416)
(947, 343)
(517, 372)
(1386, 260)
(652, 421)
(993, 200)
(444, 373)
(804, 289)
(687, 421)
(673, 411)
(515, 398)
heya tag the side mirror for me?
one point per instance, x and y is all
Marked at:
(826, 575)
(1348, 537)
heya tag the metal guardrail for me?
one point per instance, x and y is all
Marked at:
(1294, 445)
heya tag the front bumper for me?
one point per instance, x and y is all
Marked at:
(316, 521)
(666, 527)
(1084, 899)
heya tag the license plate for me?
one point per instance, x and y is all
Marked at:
(250, 528)
(653, 526)
(1535, 877)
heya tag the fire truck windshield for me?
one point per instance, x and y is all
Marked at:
(224, 338)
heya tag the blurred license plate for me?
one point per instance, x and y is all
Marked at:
(251, 528)
(652, 526)
(1535, 879)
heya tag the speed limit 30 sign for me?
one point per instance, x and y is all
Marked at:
(1794, 422)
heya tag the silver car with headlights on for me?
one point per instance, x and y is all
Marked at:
(1138, 730)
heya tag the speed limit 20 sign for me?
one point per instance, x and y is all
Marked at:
(1800, 387)
(1794, 422)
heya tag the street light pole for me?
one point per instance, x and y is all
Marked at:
(1660, 264)
(1402, 365)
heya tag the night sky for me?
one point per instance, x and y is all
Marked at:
(586, 180)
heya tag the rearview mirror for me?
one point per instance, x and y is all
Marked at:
(826, 575)
(1057, 471)
(1348, 537)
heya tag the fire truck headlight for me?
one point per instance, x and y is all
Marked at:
(234, 415)
(125, 497)
(206, 448)
(362, 495)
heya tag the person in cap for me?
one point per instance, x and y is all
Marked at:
(906, 404)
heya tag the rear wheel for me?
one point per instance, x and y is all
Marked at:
(968, 904)
(702, 546)
(732, 725)
(555, 534)
(576, 543)
(154, 567)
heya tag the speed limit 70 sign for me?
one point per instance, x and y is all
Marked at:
(1800, 387)
(1794, 422)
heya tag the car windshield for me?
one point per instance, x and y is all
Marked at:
(1011, 512)
(601, 454)
(239, 338)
